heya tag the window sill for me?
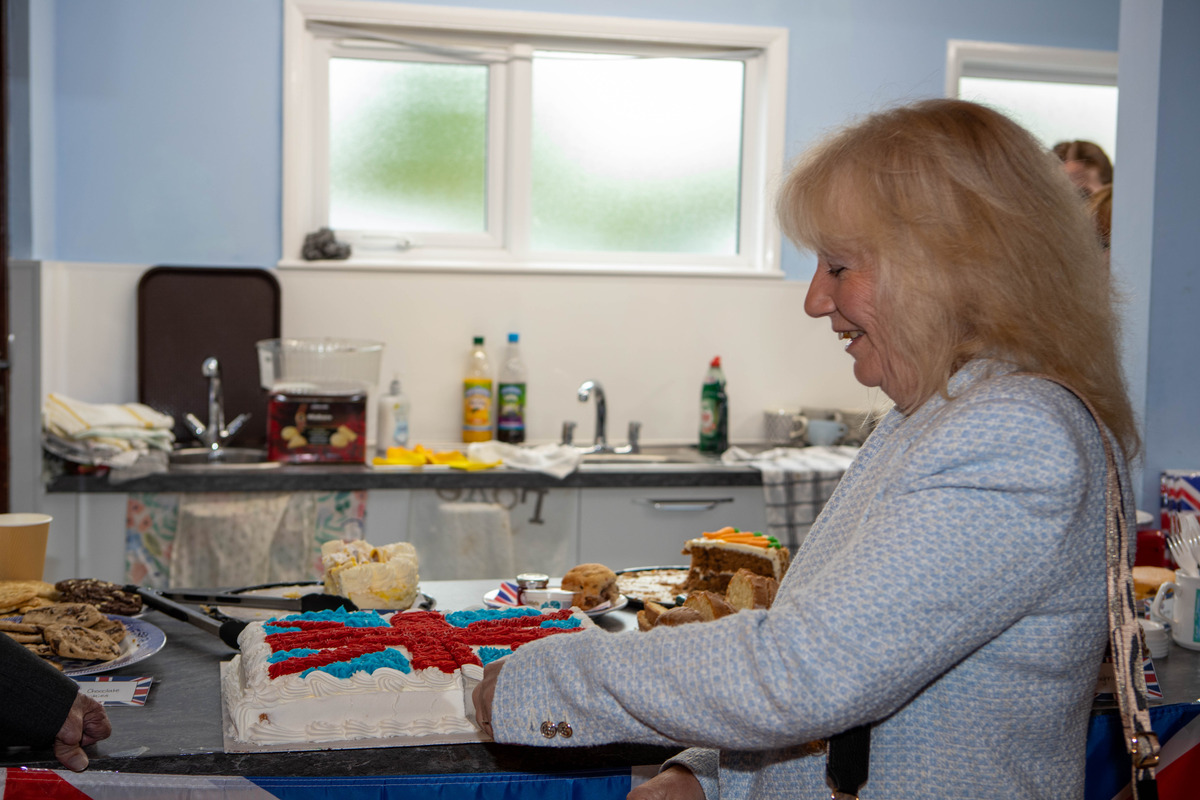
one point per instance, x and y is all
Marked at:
(383, 264)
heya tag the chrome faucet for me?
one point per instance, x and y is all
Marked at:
(586, 390)
(214, 434)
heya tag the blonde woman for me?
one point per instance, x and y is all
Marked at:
(951, 596)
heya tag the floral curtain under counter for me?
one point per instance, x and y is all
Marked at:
(235, 538)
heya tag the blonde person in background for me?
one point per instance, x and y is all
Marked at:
(1086, 164)
(951, 595)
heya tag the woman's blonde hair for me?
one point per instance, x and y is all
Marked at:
(981, 244)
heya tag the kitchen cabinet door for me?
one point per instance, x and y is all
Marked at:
(647, 527)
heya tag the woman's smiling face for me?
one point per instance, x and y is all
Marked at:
(844, 290)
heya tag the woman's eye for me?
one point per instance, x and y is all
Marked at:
(834, 270)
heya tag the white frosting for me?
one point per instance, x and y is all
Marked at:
(322, 708)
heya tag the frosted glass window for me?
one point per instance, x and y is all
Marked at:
(1053, 112)
(407, 146)
(636, 154)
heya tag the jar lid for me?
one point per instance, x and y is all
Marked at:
(533, 580)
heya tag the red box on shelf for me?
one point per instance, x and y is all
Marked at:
(317, 428)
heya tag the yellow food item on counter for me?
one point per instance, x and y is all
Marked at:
(421, 455)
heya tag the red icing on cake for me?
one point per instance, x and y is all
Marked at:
(429, 639)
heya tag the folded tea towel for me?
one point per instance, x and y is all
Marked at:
(467, 541)
(797, 481)
(119, 426)
(558, 460)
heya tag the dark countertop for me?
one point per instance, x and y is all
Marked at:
(351, 477)
(178, 731)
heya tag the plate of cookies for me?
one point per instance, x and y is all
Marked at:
(80, 640)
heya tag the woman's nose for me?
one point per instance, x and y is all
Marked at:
(817, 301)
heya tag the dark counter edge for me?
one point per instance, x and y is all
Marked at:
(438, 760)
(353, 478)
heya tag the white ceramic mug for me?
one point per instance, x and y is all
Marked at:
(1185, 616)
(824, 432)
(782, 426)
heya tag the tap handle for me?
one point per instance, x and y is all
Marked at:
(635, 431)
(236, 425)
(568, 432)
(196, 426)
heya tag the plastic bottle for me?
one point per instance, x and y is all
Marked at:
(393, 419)
(714, 411)
(477, 396)
(510, 395)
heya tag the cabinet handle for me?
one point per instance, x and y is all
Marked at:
(686, 505)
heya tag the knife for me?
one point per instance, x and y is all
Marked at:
(228, 632)
(314, 601)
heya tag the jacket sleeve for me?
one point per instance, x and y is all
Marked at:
(37, 697)
(982, 501)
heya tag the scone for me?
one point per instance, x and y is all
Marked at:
(592, 584)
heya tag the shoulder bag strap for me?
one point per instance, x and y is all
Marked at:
(1125, 641)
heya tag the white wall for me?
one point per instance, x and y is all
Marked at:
(647, 340)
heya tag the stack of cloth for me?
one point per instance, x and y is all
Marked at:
(131, 439)
(797, 482)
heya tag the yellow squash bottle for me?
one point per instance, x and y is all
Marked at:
(477, 396)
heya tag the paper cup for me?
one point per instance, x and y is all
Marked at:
(23, 546)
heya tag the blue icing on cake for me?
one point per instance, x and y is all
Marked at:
(489, 654)
(461, 619)
(365, 663)
(351, 619)
(560, 623)
(284, 655)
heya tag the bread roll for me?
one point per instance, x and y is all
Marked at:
(592, 584)
(680, 615)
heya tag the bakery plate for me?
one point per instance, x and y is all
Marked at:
(489, 600)
(142, 640)
(250, 614)
(656, 584)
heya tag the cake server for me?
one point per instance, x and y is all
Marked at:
(228, 632)
(314, 601)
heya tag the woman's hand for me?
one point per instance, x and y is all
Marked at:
(86, 724)
(673, 783)
(482, 696)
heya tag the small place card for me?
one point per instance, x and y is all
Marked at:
(115, 690)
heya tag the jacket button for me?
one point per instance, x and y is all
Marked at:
(564, 730)
(549, 730)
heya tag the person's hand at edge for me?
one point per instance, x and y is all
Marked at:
(676, 782)
(86, 724)
(482, 696)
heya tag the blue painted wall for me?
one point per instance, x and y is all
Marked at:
(166, 116)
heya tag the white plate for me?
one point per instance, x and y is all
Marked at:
(251, 614)
(141, 641)
(489, 600)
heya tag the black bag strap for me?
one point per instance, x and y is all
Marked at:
(849, 753)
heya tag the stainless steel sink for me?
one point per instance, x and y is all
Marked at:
(226, 458)
(650, 455)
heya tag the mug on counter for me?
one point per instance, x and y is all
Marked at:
(1185, 613)
(825, 432)
(783, 427)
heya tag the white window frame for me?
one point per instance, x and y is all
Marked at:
(1027, 62)
(505, 247)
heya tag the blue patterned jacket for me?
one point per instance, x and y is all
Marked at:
(952, 592)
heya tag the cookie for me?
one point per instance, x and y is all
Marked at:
(82, 615)
(24, 638)
(10, 626)
(110, 598)
(111, 628)
(14, 594)
(73, 641)
(41, 650)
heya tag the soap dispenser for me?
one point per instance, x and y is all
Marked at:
(393, 419)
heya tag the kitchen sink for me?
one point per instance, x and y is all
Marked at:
(650, 455)
(227, 458)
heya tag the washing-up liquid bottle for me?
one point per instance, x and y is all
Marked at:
(510, 395)
(714, 410)
(477, 395)
(393, 419)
